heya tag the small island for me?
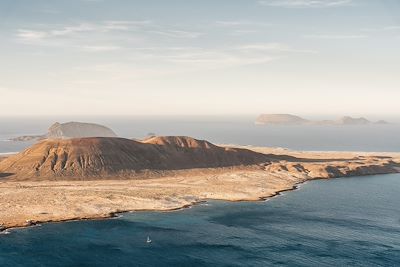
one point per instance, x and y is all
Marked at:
(288, 119)
(69, 130)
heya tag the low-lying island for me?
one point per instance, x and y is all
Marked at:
(91, 178)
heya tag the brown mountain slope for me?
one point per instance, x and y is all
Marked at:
(179, 142)
(104, 157)
(185, 152)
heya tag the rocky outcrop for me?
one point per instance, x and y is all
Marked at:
(334, 169)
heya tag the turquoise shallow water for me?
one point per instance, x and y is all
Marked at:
(339, 222)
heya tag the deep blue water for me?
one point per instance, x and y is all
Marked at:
(339, 222)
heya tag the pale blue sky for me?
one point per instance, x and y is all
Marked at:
(131, 57)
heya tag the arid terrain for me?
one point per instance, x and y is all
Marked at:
(49, 192)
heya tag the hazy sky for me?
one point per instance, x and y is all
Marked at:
(135, 57)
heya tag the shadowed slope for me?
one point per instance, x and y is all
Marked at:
(106, 157)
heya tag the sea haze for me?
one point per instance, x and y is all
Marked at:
(338, 222)
(223, 130)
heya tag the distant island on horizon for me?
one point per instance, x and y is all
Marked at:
(69, 130)
(289, 119)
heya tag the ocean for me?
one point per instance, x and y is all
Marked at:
(338, 222)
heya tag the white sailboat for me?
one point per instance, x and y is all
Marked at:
(148, 240)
